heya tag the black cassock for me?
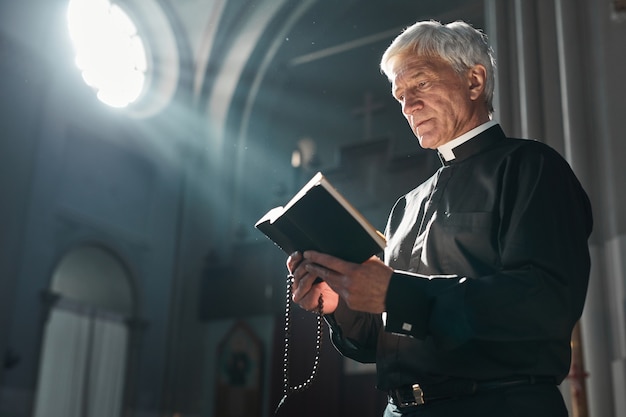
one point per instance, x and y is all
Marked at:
(492, 265)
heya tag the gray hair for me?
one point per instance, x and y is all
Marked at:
(457, 43)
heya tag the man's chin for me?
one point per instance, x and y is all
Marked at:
(426, 143)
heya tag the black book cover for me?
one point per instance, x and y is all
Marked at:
(319, 218)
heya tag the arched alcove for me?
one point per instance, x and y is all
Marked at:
(95, 277)
(83, 362)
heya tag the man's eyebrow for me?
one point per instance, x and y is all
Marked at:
(410, 75)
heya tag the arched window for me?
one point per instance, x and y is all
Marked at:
(109, 50)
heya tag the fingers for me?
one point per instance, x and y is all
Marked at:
(305, 290)
(318, 271)
(340, 278)
(328, 268)
(303, 282)
(306, 293)
(327, 261)
(293, 261)
(297, 272)
(362, 286)
(310, 300)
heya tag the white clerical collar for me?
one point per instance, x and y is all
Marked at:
(447, 149)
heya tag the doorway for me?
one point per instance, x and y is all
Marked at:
(85, 342)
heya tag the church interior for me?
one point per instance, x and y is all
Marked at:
(142, 139)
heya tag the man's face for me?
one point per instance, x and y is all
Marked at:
(438, 104)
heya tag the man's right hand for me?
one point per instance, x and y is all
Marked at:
(306, 291)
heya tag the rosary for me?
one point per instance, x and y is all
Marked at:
(287, 388)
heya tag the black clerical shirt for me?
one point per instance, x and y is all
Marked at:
(491, 268)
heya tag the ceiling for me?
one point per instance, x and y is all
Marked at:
(267, 76)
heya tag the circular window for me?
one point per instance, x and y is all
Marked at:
(109, 51)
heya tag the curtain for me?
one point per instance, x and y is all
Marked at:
(82, 365)
(107, 370)
(63, 365)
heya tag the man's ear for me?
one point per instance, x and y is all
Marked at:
(476, 76)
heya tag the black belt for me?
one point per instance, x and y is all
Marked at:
(416, 394)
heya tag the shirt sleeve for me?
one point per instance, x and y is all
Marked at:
(353, 333)
(410, 300)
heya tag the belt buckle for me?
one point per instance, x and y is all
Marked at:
(418, 394)
(403, 401)
(418, 397)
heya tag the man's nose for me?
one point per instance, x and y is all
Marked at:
(411, 103)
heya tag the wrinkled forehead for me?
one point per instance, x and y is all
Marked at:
(409, 64)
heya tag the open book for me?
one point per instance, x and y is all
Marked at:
(319, 218)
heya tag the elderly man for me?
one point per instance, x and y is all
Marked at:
(487, 263)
